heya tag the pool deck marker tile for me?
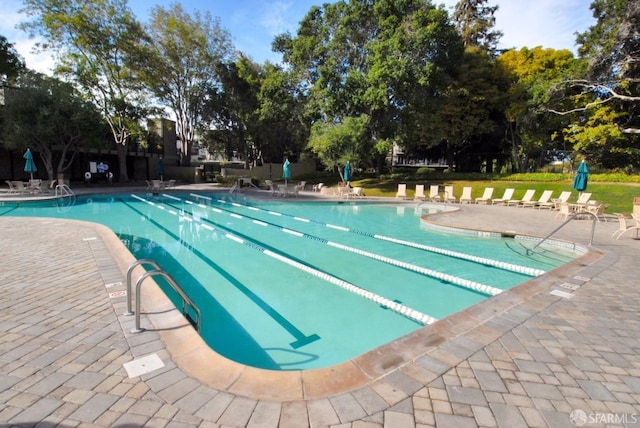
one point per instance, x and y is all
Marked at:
(569, 286)
(562, 294)
(143, 365)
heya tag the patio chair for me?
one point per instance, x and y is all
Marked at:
(486, 196)
(564, 197)
(508, 194)
(19, 187)
(564, 210)
(448, 195)
(12, 188)
(528, 196)
(318, 187)
(357, 192)
(465, 198)
(597, 209)
(434, 193)
(624, 227)
(419, 194)
(270, 185)
(402, 191)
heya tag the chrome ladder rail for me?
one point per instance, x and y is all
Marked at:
(186, 300)
(569, 219)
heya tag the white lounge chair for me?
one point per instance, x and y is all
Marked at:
(528, 196)
(434, 193)
(486, 196)
(419, 194)
(465, 198)
(357, 192)
(402, 191)
(583, 198)
(564, 210)
(544, 198)
(508, 194)
(448, 194)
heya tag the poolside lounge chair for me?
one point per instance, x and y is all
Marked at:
(624, 227)
(318, 187)
(19, 187)
(528, 196)
(583, 198)
(402, 191)
(419, 195)
(466, 195)
(486, 196)
(544, 198)
(546, 204)
(508, 194)
(434, 193)
(448, 194)
(12, 188)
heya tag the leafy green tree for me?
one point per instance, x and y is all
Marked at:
(95, 40)
(181, 65)
(51, 118)
(372, 59)
(11, 63)
(605, 99)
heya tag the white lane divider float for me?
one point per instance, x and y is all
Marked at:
(382, 301)
(525, 270)
(462, 282)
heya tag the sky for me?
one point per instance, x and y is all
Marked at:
(254, 23)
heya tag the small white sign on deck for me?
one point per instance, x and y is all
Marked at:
(143, 365)
(562, 294)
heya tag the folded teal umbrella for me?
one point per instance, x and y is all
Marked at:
(30, 165)
(286, 172)
(582, 177)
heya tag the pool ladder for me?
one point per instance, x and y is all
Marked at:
(186, 301)
(568, 220)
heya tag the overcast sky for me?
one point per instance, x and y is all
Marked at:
(254, 23)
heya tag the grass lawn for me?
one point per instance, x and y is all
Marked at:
(619, 196)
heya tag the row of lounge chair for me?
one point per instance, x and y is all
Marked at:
(544, 201)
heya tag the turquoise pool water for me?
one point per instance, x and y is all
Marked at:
(296, 285)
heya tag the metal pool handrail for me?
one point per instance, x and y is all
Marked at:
(571, 217)
(186, 300)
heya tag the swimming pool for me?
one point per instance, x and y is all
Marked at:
(298, 285)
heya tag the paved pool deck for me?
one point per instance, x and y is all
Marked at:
(525, 358)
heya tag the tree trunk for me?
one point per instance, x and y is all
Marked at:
(122, 163)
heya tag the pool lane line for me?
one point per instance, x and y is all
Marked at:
(525, 270)
(302, 339)
(402, 310)
(465, 283)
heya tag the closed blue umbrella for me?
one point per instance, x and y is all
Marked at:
(582, 177)
(347, 172)
(286, 172)
(30, 165)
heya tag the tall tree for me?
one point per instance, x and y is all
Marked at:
(371, 60)
(476, 22)
(531, 128)
(11, 63)
(181, 65)
(51, 118)
(604, 100)
(95, 40)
